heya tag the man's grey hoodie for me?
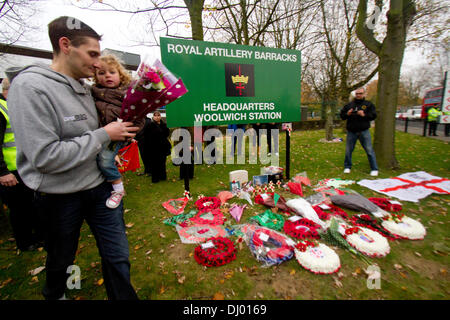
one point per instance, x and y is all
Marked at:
(56, 129)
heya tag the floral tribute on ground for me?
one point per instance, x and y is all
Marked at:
(207, 203)
(267, 245)
(366, 241)
(404, 227)
(215, 252)
(301, 228)
(317, 257)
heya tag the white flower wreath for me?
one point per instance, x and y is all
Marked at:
(319, 259)
(369, 242)
(406, 228)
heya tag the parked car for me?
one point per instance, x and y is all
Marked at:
(411, 114)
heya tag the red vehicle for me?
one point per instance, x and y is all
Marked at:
(431, 98)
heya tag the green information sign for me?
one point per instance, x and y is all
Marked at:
(232, 84)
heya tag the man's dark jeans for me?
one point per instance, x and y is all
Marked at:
(63, 215)
(366, 142)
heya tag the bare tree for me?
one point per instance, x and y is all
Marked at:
(390, 52)
(157, 17)
(14, 20)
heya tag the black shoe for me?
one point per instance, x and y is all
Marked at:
(435, 135)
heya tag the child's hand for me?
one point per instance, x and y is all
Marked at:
(118, 162)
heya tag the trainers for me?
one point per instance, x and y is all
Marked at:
(347, 170)
(374, 173)
(114, 200)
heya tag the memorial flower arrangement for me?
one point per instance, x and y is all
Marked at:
(366, 241)
(317, 258)
(301, 228)
(216, 251)
(154, 87)
(386, 204)
(366, 221)
(270, 220)
(207, 203)
(212, 217)
(331, 210)
(176, 206)
(404, 227)
(267, 245)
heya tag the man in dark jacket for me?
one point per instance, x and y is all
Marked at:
(358, 114)
(14, 193)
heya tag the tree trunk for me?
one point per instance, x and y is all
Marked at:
(390, 53)
(391, 58)
(195, 8)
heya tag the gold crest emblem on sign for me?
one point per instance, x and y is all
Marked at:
(239, 79)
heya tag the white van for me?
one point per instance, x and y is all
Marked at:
(411, 114)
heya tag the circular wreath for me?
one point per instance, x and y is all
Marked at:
(207, 203)
(274, 250)
(368, 242)
(333, 211)
(317, 258)
(270, 220)
(404, 227)
(217, 217)
(366, 221)
(222, 252)
(199, 233)
(301, 229)
(385, 204)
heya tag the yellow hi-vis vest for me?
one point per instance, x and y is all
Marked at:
(433, 114)
(9, 144)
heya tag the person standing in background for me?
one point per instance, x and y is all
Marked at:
(157, 146)
(14, 193)
(358, 114)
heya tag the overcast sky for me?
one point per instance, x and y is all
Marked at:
(114, 27)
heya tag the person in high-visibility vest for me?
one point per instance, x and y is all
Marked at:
(433, 114)
(14, 193)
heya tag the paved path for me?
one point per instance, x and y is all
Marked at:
(417, 129)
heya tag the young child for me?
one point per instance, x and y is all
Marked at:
(111, 83)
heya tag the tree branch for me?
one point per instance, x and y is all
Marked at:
(363, 32)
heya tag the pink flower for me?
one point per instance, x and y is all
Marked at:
(153, 77)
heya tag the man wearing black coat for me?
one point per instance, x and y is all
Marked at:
(358, 114)
(157, 147)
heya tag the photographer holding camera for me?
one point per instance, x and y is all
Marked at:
(358, 114)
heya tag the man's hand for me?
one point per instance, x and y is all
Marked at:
(361, 113)
(8, 180)
(121, 131)
(349, 112)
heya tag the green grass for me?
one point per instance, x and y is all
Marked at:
(164, 268)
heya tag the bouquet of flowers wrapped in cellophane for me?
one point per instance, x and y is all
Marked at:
(154, 87)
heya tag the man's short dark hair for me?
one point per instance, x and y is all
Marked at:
(75, 30)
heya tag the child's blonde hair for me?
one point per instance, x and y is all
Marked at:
(112, 60)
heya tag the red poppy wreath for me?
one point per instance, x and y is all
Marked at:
(207, 203)
(301, 228)
(215, 252)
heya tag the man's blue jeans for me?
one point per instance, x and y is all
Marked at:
(63, 216)
(366, 141)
